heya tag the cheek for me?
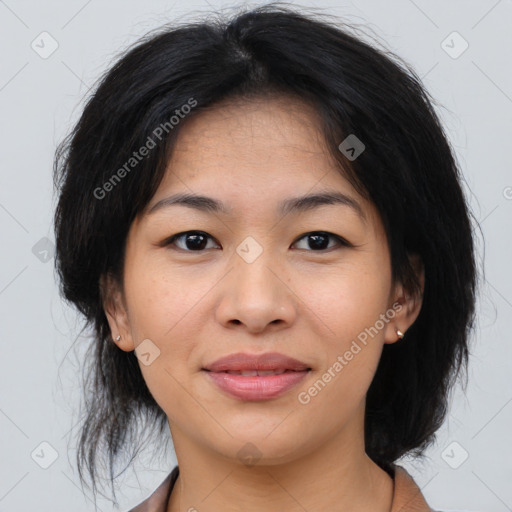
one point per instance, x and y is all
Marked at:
(348, 300)
(159, 300)
(350, 305)
(160, 310)
(165, 308)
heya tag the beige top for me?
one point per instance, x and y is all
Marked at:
(407, 496)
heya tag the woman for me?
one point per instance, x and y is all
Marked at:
(263, 221)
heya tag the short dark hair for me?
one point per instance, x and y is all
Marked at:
(408, 170)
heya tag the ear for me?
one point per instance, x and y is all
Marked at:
(406, 305)
(116, 312)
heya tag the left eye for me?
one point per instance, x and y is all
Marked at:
(319, 239)
(196, 241)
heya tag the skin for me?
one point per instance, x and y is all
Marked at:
(308, 303)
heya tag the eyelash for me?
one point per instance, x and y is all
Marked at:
(341, 241)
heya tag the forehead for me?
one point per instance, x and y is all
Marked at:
(255, 132)
(263, 143)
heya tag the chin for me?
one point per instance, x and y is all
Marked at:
(260, 446)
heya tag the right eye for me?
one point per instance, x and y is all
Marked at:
(192, 241)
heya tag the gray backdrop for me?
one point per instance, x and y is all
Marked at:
(51, 54)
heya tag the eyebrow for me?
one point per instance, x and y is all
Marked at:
(292, 205)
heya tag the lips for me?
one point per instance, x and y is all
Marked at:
(256, 377)
(260, 363)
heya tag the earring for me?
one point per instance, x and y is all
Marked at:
(399, 333)
(118, 338)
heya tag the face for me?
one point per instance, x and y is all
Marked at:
(312, 283)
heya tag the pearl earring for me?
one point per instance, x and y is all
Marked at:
(118, 338)
(399, 333)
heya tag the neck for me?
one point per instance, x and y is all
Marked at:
(336, 476)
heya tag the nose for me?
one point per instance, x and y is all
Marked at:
(256, 296)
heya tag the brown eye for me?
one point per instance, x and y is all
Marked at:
(192, 241)
(319, 240)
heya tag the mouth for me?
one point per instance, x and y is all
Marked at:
(256, 377)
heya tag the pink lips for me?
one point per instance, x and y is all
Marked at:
(288, 373)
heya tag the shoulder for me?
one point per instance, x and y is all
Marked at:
(157, 501)
(407, 495)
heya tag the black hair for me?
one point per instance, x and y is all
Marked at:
(408, 170)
